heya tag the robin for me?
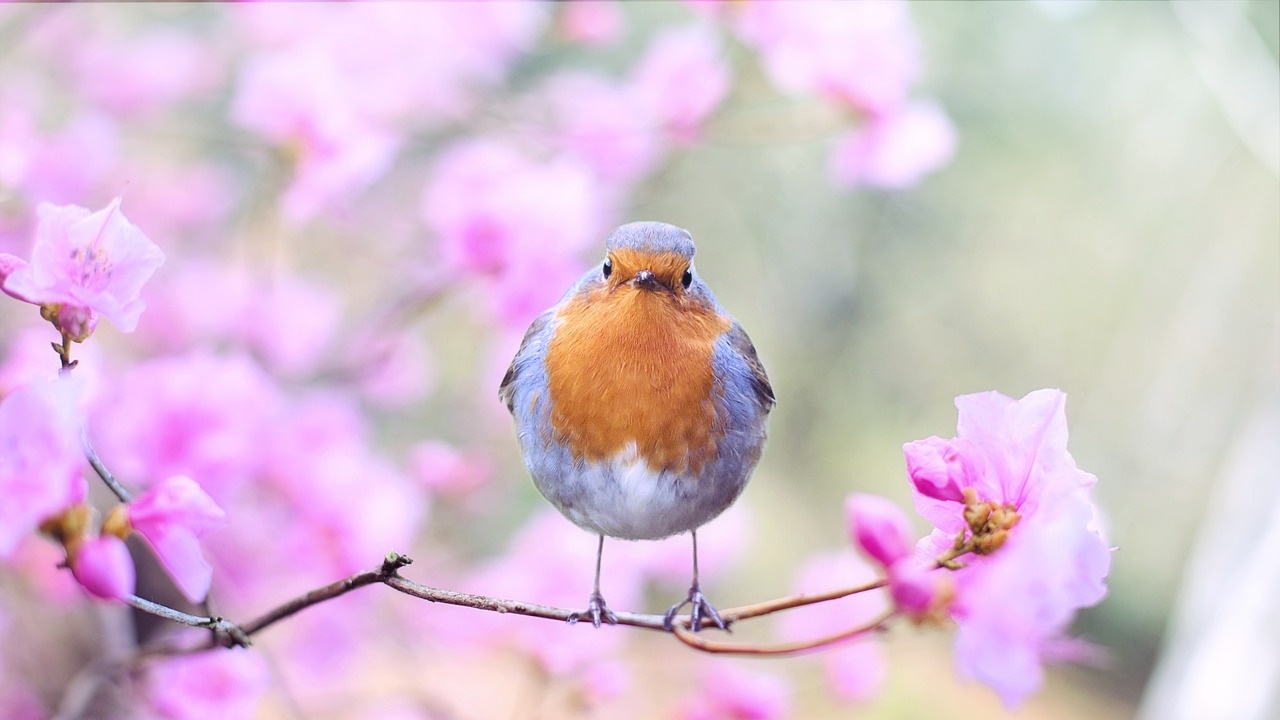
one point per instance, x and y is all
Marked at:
(639, 402)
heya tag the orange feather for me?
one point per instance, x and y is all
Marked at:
(633, 365)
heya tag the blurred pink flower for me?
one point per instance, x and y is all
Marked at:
(198, 414)
(74, 161)
(423, 62)
(41, 458)
(862, 54)
(604, 124)
(87, 263)
(591, 22)
(1015, 600)
(152, 71)
(727, 691)
(104, 567)
(171, 515)
(682, 78)
(442, 468)
(513, 221)
(896, 149)
(936, 468)
(223, 685)
(855, 669)
(297, 99)
(293, 323)
(395, 370)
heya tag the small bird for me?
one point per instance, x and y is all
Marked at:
(639, 402)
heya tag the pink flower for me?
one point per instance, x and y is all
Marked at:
(591, 22)
(730, 692)
(224, 685)
(442, 468)
(862, 54)
(153, 71)
(512, 221)
(682, 79)
(879, 528)
(171, 515)
(296, 99)
(1013, 611)
(88, 263)
(895, 149)
(104, 568)
(856, 669)
(41, 458)
(604, 124)
(198, 415)
(1039, 554)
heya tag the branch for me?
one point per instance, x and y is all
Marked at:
(227, 634)
(95, 461)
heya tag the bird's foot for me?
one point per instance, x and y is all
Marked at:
(699, 611)
(596, 611)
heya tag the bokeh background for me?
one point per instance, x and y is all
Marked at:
(1108, 224)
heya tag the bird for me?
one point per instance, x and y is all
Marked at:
(639, 403)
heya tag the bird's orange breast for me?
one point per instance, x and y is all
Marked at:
(628, 365)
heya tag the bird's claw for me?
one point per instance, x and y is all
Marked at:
(597, 611)
(699, 610)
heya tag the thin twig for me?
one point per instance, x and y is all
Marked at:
(226, 633)
(101, 469)
(721, 647)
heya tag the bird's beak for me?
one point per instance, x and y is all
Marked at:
(646, 280)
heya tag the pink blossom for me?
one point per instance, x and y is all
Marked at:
(895, 149)
(104, 568)
(728, 691)
(879, 528)
(1013, 452)
(224, 685)
(605, 124)
(395, 370)
(862, 54)
(91, 262)
(856, 669)
(440, 467)
(512, 221)
(936, 468)
(394, 62)
(293, 323)
(171, 515)
(1013, 611)
(296, 98)
(138, 75)
(1017, 593)
(682, 78)
(75, 160)
(198, 414)
(41, 458)
(591, 22)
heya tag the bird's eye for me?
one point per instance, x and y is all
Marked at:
(608, 268)
(687, 279)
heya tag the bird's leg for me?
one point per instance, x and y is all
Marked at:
(596, 609)
(699, 607)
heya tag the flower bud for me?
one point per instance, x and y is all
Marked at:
(879, 528)
(936, 468)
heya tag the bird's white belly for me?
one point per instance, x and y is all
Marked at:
(624, 498)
